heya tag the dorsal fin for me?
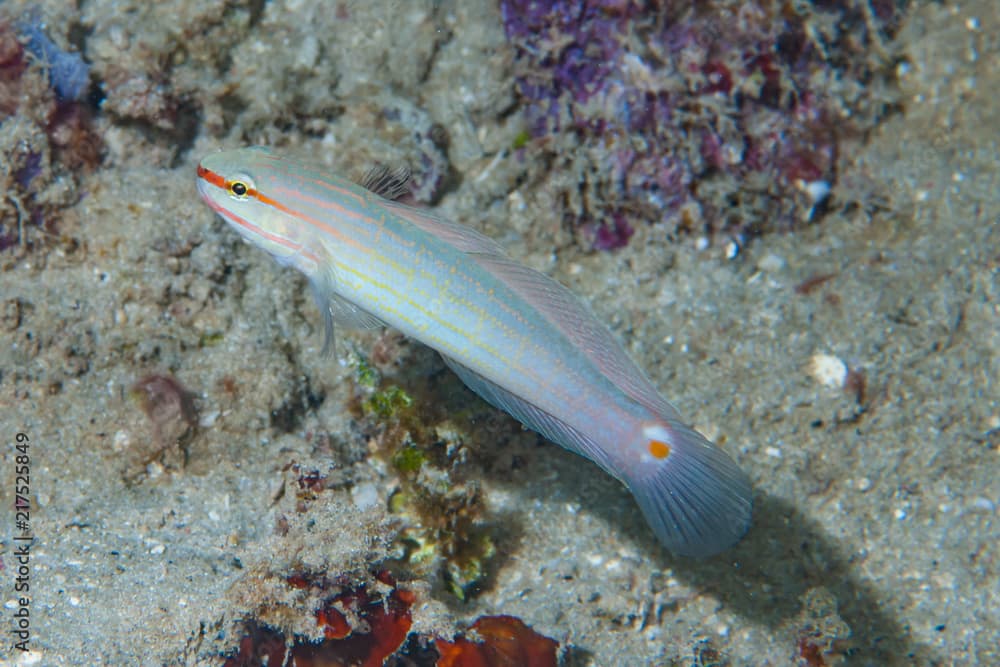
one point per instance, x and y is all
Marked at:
(556, 303)
(575, 320)
(388, 183)
(459, 236)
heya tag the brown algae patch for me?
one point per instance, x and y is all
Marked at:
(447, 532)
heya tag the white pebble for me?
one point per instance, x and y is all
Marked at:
(208, 420)
(828, 370)
(308, 53)
(982, 503)
(120, 441)
(817, 191)
(771, 263)
(364, 496)
(29, 658)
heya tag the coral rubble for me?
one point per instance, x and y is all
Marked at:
(722, 116)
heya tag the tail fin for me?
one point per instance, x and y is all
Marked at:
(696, 499)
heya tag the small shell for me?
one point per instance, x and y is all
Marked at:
(828, 370)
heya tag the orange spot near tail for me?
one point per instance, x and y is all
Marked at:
(659, 449)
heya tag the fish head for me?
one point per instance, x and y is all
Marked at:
(240, 186)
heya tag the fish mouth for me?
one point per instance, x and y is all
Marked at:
(202, 189)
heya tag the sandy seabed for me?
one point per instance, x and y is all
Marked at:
(875, 524)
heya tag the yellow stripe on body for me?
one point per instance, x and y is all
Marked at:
(378, 260)
(516, 337)
(386, 286)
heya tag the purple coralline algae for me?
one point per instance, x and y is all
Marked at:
(69, 74)
(721, 116)
(46, 135)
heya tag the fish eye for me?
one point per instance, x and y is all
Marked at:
(239, 188)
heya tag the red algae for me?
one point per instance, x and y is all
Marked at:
(504, 641)
(260, 646)
(360, 626)
(388, 620)
(363, 627)
(333, 622)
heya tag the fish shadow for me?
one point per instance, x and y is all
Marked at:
(769, 574)
(767, 577)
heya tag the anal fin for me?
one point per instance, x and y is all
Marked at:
(535, 418)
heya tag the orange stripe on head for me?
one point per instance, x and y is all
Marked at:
(318, 224)
(237, 188)
(211, 177)
(329, 204)
(251, 192)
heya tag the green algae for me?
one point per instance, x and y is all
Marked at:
(444, 533)
(409, 459)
